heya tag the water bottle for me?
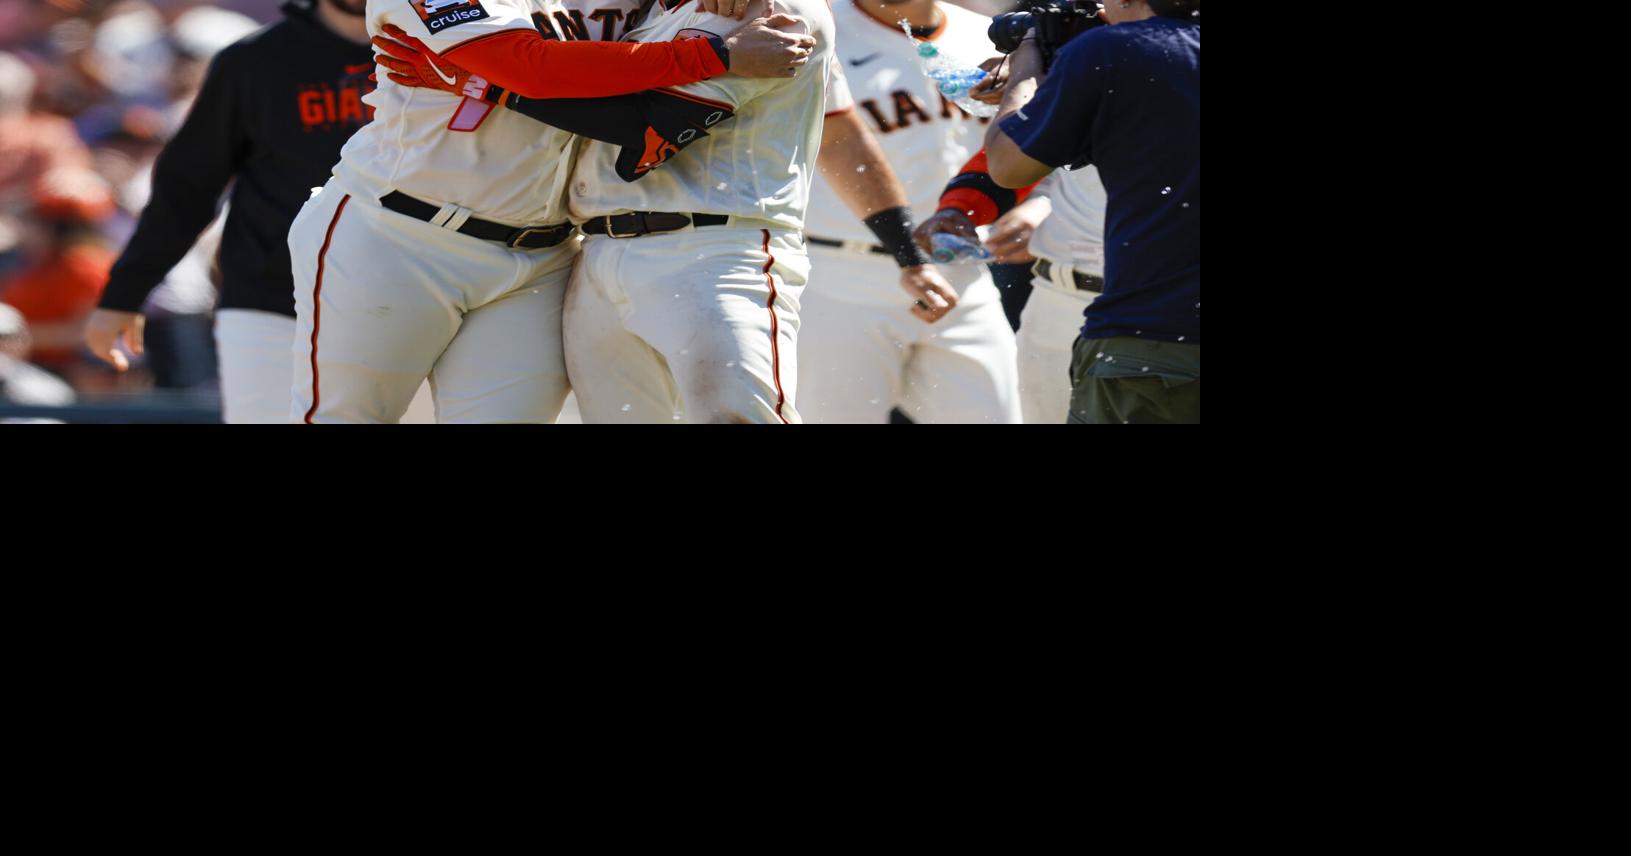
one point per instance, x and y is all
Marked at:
(952, 249)
(953, 80)
(955, 83)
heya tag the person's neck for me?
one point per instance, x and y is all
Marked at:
(1136, 12)
(352, 28)
(921, 13)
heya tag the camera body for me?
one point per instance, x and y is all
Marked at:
(1056, 22)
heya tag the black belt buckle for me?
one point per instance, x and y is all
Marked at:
(1087, 282)
(611, 231)
(521, 235)
(1083, 281)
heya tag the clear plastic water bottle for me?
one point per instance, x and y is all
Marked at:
(955, 83)
(951, 249)
(952, 79)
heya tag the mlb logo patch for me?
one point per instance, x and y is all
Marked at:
(682, 35)
(439, 15)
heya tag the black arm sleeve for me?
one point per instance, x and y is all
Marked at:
(191, 173)
(650, 126)
(893, 226)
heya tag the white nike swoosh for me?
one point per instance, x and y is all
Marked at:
(445, 79)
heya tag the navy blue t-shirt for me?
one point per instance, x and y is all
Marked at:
(1127, 99)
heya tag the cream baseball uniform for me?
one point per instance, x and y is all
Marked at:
(862, 351)
(385, 300)
(701, 324)
(1072, 239)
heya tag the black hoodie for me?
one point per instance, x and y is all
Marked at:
(274, 111)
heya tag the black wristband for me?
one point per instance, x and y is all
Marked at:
(495, 94)
(894, 230)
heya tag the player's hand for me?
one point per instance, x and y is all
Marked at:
(945, 220)
(104, 329)
(409, 62)
(989, 90)
(932, 296)
(726, 8)
(1010, 238)
(760, 48)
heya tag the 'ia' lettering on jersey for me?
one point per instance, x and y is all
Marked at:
(926, 137)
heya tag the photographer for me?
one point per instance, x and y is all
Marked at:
(1126, 99)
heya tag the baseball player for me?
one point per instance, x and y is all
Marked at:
(684, 306)
(863, 351)
(441, 247)
(1060, 228)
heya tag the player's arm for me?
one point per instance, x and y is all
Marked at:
(650, 127)
(191, 173)
(972, 198)
(856, 169)
(1042, 127)
(505, 49)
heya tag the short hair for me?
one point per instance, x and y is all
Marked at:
(1177, 8)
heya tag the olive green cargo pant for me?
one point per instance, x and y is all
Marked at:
(1120, 380)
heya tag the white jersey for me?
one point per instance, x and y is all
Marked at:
(757, 166)
(511, 168)
(1074, 233)
(926, 138)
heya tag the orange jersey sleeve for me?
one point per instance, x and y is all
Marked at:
(974, 193)
(526, 63)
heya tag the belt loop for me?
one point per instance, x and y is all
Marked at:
(450, 217)
(456, 222)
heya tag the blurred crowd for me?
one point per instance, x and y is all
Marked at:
(90, 90)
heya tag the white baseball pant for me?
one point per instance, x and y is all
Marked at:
(696, 325)
(862, 351)
(385, 301)
(1047, 330)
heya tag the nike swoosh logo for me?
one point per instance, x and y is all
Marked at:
(445, 79)
(865, 59)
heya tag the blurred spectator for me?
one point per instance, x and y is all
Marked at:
(66, 262)
(31, 145)
(21, 383)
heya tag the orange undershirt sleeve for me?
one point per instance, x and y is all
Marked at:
(974, 193)
(524, 62)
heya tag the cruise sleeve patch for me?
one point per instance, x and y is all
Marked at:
(440, 15)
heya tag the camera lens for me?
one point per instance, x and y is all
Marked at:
(1008, 30)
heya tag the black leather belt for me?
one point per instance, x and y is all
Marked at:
(857, 246)
(1084, 281)
(525, 237)
(639, 223)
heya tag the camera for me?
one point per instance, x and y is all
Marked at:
(1056, 23)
